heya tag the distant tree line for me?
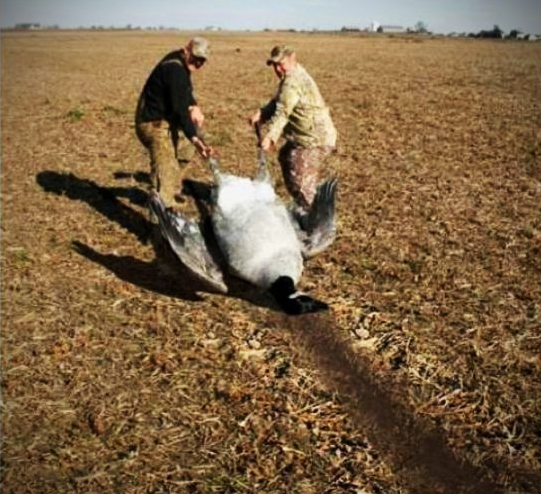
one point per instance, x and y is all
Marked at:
(419, 28)
(497, 33)
(32, 26)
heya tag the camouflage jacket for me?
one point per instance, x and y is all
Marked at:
(299, 112)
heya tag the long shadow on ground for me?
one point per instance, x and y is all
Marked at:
(102, 199)
(416, 448)
(141, 273)
(178, 282)
(174, 281)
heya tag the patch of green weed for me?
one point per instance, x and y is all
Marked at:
(76, 114)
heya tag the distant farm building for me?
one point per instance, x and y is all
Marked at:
(376, 27)
(392, 29)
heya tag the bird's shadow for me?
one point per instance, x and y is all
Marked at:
(143, 274)
(175, 281)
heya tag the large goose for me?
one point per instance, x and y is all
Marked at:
(261, 240)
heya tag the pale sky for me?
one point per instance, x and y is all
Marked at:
(439, 16)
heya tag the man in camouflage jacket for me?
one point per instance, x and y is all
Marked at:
(298, 112)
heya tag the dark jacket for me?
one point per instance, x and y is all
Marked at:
(168, 94)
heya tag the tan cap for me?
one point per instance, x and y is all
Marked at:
(278, 53)
(200, 47)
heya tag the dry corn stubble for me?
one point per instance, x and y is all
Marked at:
(117, 380)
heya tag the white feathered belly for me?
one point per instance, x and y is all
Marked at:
(255, 234)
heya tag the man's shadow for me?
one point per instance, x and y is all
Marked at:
(178, 282)
(102, 199)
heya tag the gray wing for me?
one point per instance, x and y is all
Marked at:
(316, 228)
(186, 240)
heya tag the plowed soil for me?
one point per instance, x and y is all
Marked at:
(423, 377)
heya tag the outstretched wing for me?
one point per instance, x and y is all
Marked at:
(316, 228)
(186, 240)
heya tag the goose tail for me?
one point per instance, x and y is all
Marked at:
(293, 302)
(316, 228)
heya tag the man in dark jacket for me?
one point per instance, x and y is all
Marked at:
(167, 106)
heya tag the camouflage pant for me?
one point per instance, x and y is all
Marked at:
(300, 168)
(162, 143)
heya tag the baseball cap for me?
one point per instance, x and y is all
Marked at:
(200, 47)
(278, 53)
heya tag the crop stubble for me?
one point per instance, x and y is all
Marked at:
(116, 380)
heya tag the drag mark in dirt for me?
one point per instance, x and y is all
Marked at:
(416, 449)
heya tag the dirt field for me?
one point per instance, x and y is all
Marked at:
(425, 375)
